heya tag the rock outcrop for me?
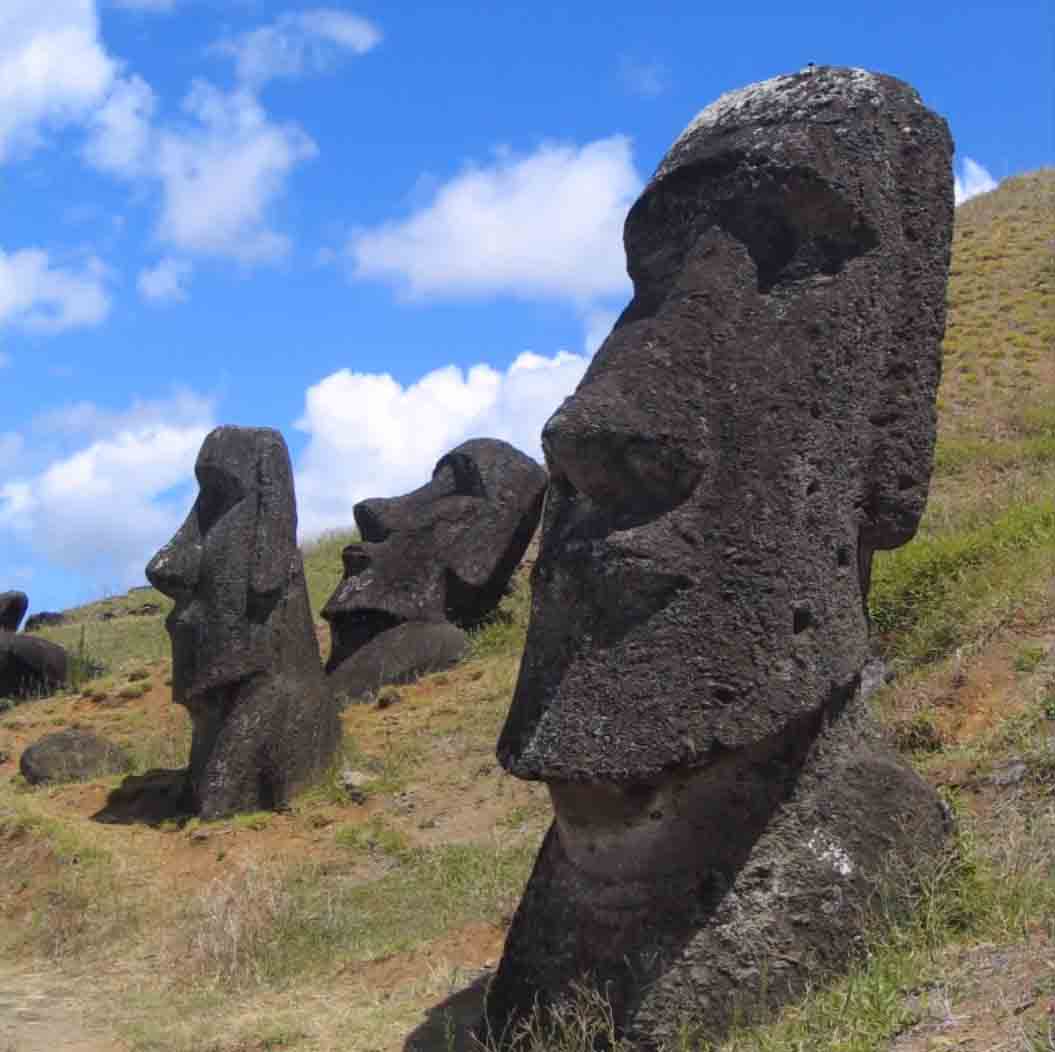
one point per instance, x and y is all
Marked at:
(431, 564)
(71, 756)
(30, 666)
(13, 606)
(245, 661)
(759, 422)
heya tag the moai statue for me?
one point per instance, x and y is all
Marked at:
(245, 661)
(759, 422)
(431, 564)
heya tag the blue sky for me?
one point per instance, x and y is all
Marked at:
(380, 228)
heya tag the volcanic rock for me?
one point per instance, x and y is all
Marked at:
(13, 606)
(759, 422)
(438, 557)
(45, 619)
(245, 660)
(71, 756)
(30, 665)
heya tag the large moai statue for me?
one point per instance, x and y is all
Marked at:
(245, 661)
(759, 422)
(431, 564)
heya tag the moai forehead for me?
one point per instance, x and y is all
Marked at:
(759, 421)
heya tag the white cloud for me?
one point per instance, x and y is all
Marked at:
(53, 68)
(548, 225)
(120, 131)
(647, 79)
(305, 42)
(5, 359)
(165, 283)
(222, 174)
(104, 508)
(371, 437)
(971, 180)
(34, 294)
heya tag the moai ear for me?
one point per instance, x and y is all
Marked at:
(275, 531)
(903, 416)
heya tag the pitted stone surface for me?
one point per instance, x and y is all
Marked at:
(30, 665)
(13, 606)
(245, 661)
(759, 422)
(442, 553)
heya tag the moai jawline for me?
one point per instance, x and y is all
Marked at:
(431, 564)
(759, 422)
(245, 661)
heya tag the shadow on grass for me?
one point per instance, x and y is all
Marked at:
(451, 1023)
(157, 796)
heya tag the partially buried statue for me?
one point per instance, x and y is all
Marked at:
(431, 564)
(759, 422)
(245, 661)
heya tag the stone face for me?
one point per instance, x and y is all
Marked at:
(442, 553)
(30, 665)
(245, 660)
(759, 422)
(13, 606)
(70, 756)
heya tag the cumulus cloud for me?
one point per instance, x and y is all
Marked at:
(222, 174)
(972, 179)
(103, 508)
(37, 295)
(546, 225)
(298, 43)
(165, 283)
(120, 129)
(53, 68)
(370, 436)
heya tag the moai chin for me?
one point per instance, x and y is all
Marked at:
(760, 421)
(245, 661)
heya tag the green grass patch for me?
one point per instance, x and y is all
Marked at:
(940, 591)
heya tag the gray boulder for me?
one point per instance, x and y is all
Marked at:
(759, 422)
(13, 606)
(245, 660)
(71, 756)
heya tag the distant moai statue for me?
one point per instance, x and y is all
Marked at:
(431, 564)
(245, 661)
(759, 422)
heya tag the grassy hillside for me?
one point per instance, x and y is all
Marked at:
(346, 925)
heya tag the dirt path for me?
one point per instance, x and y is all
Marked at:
(43, 1012)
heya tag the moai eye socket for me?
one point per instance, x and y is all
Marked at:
(219, 492)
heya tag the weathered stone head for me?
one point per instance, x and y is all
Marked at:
(13, 606)
(439, 556)
(759, 422)
(245, 661)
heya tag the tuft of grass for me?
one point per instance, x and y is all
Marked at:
(323, 568)
(945, 589)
